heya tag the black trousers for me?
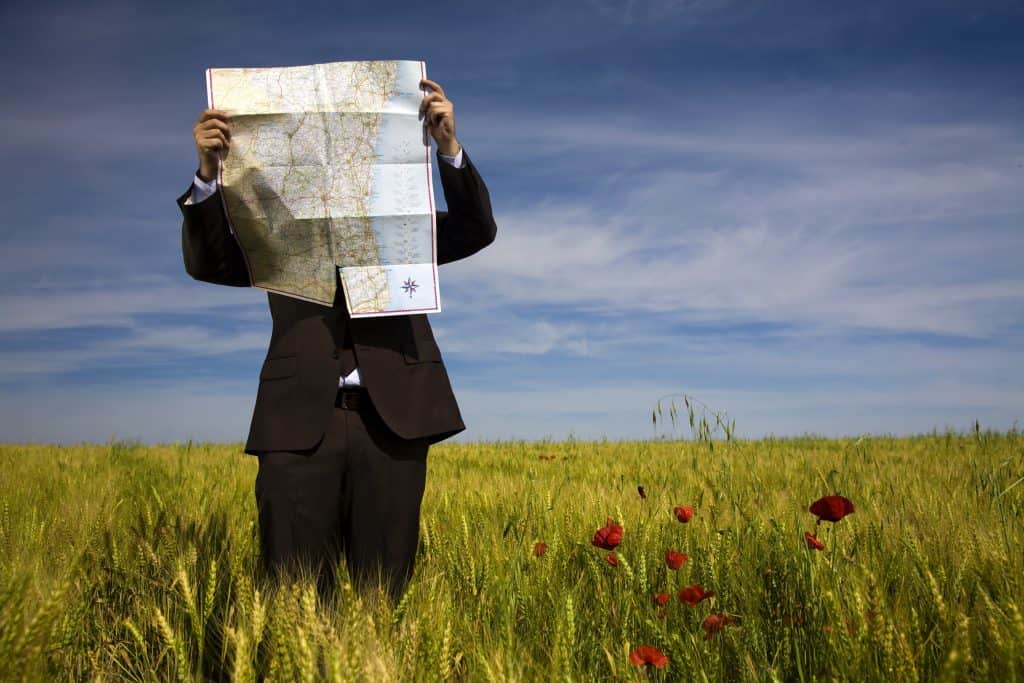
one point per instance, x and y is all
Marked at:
(355, 496)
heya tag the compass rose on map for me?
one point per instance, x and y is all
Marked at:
(409, 286)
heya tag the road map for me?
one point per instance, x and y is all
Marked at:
(329, 171)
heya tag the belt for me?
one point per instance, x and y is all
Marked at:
(351, 398)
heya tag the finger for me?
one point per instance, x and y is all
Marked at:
(208, 114)
(440, 106)
(214, 140)
(433, 86)
(438, 110)
(438, 118)
(430, 99)
(213, 112)
(441, 121)
(215, 124)
(213, 146)
(435, 118)
(213, 132)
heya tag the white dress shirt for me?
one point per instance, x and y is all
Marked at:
(202, 190)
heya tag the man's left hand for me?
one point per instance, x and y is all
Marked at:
(440, 118)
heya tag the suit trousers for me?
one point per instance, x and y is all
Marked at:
(356, 496)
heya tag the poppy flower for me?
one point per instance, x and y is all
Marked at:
(613, 560)
(640, 490)
(648, 655)
(609, 536)
(812, 541)
(831, 508)
(660, 598)
(674, 560)
(683, 513)
(540, 548)
(714, 623)
(693, 595)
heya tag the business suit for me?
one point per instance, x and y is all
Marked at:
(295, 419)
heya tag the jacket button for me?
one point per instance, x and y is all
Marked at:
(334, 354)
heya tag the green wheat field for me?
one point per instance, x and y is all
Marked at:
(130, 562)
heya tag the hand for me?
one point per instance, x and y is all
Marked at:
(212, 134)
(440, 118)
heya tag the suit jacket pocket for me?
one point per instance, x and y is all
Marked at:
(278, 368)
(422, 351)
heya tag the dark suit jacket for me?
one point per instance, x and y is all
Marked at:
(399, 361)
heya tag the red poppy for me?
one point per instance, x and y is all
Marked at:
(674, 560)
(831, 508)
(613, 560)
(683, 513)
(812, 541)
(608, 537)
(640, 490)
(714, 623)
(692, 595)
(648, 655)
(540, 548)
(660, 598)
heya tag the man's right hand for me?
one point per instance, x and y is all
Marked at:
(212, 134)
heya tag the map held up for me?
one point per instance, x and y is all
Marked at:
(330, 171)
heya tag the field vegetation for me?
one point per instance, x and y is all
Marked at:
(576, 561)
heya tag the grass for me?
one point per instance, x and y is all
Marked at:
(127, 562)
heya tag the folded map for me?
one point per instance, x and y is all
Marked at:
(329, 171)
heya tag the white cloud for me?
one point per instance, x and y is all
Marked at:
(509, 334)
(630, 208)
(117, 303)
(135, 346)
(883, 228)
(820, 385)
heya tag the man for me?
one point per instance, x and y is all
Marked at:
(346, 408)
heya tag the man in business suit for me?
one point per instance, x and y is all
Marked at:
(346, 408)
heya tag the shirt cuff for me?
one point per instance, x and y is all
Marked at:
(201, 189)
(455, 161)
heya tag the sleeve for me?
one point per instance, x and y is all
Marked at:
(208, 247)
(468, 224)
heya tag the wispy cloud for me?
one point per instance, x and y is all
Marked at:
(117, 304)
(906, 227)
(133, 347)
(810, 216)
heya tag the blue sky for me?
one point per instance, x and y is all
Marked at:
(808, 215)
